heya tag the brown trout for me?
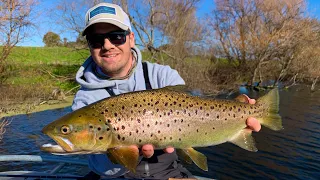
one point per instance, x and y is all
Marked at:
(162, 117)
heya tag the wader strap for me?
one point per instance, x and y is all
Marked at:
(146, 77)
(110, 91)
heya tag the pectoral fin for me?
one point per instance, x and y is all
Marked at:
(244, 140)
(198, 158)
(126, 156)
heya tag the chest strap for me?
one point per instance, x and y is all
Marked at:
(146, 76)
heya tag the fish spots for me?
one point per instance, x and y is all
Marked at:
(139, 120)
(213, 128)
(218, 116)
(119, 137)
(99, 128)
(123, 127)
(100, 138)
(79, 116)
(211, 107)
(115, 114)
(159, 131)
(168, 125)
(123, 138)
(122, 108)
(207, 114)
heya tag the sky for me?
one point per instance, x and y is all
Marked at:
(45, 22)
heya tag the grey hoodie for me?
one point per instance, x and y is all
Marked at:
(93, 88)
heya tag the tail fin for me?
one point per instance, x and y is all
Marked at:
(271, 118)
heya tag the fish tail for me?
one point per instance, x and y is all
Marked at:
(271, 117)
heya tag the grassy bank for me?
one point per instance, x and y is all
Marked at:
(34, 75)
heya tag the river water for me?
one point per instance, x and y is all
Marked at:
(292, 153)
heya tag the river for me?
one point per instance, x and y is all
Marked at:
(292, 153)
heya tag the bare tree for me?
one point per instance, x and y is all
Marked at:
(260, 32)
(15, 21)
(165, 27)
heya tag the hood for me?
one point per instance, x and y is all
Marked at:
(87, 78)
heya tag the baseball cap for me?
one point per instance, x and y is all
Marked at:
(107, 13)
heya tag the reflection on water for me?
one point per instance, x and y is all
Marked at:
(293, 153)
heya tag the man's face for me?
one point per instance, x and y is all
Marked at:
(114, 60)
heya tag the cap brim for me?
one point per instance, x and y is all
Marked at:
(106, 20)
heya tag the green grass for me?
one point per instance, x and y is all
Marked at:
(47, 55)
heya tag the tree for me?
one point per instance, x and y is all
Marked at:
(261, 32)
(51, 39)
(15, 22)
(165, 22)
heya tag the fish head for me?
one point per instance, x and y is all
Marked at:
(81, 132)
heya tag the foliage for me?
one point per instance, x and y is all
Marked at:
(51, 39)
(15, 21)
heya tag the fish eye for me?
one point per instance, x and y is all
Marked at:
(65, 129)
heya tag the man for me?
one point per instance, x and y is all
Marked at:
(115, 67)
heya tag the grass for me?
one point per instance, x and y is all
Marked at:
(47, 55)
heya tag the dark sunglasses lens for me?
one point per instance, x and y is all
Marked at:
(96, 41)
(117, 39)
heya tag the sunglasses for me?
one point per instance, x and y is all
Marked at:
(115, 37)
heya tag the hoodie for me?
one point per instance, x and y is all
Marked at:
(93, 88)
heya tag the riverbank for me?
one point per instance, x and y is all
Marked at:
(32, 106)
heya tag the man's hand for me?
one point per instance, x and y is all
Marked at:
(252, 123)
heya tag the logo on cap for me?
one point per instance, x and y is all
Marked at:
(102, 9)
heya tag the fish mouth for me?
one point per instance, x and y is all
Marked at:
(58, 150)
(63, 145)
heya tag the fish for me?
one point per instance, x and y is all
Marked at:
(169, 116)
